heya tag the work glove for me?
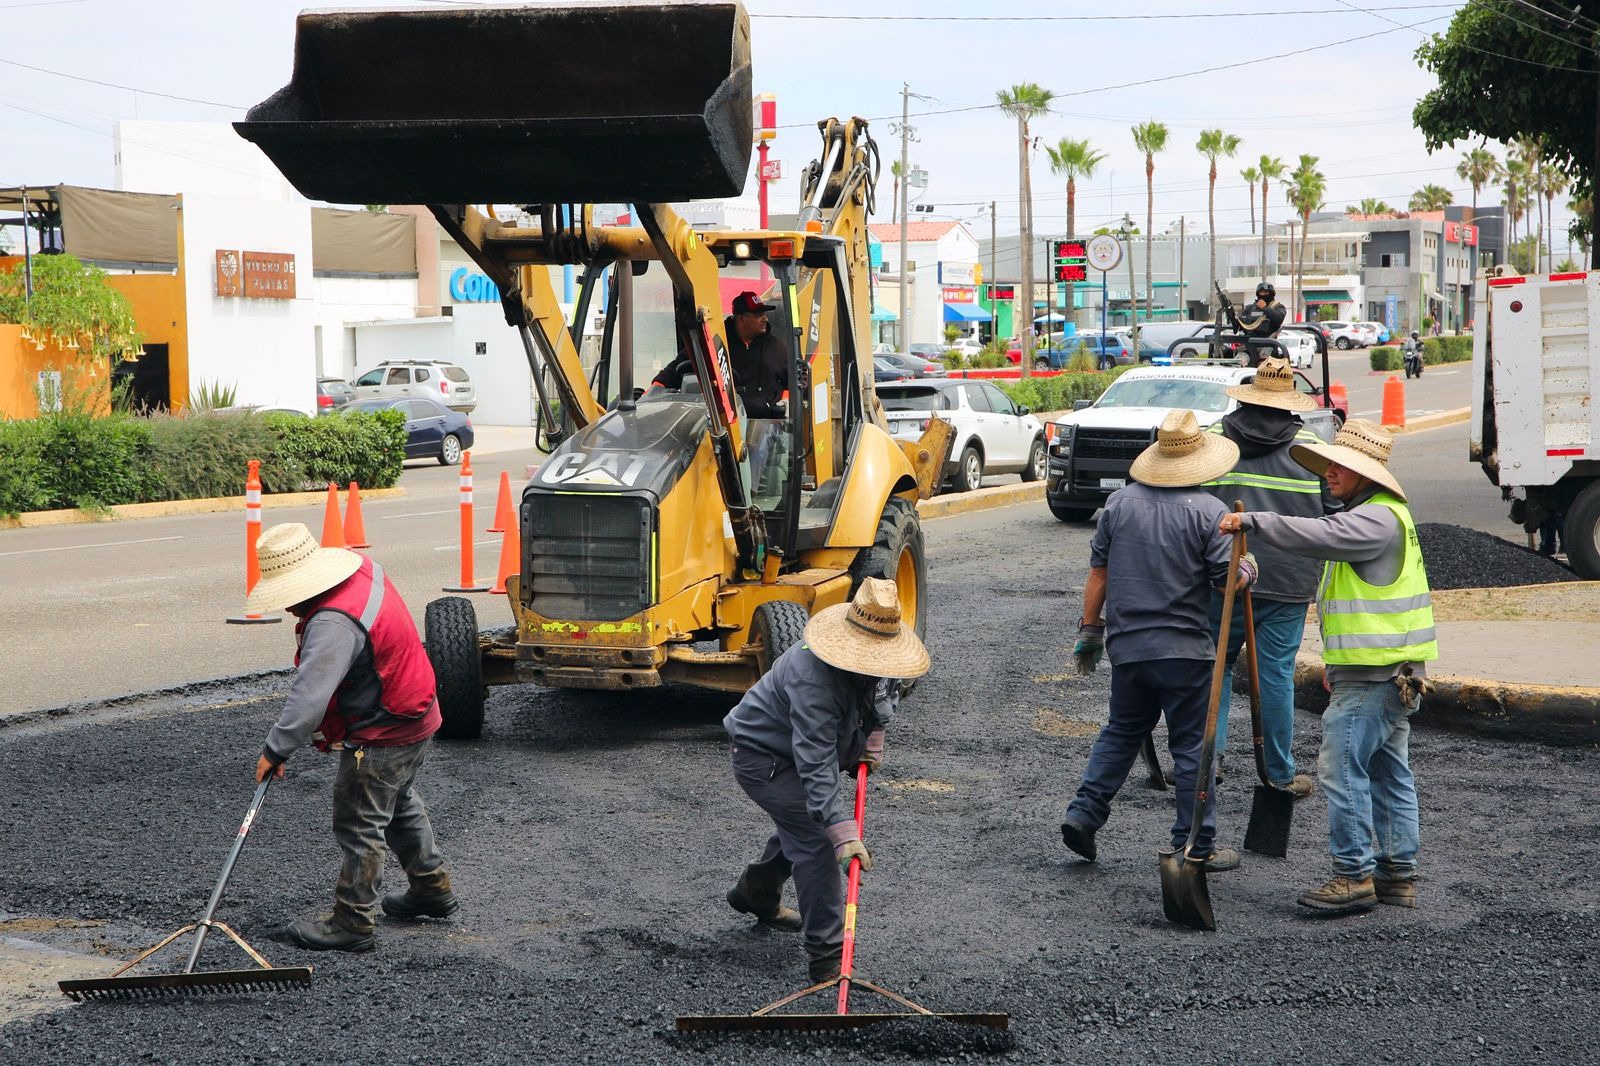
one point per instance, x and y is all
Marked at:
(873, 753)
(265, 766)
(853, 849)
(1090, 649)
(1248, 571)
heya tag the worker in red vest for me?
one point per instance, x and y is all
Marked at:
(363, 687)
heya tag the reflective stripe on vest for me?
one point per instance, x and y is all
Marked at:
(1269, 482)
(1371, 625)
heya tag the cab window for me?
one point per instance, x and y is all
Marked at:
(371, 377)
(399, 376)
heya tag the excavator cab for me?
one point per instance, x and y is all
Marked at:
(668, 536)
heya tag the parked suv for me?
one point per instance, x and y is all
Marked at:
(992, 434)
(1092, 448)
(1346, 335)
(434, 379)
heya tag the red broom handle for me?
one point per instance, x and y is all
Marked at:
(847, 961)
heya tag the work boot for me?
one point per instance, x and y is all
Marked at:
(409, 905)
(1341, 895)
(1221, 860)
(324, 934)
(1301, 786)
(1396, 893)
(824, 969)
(1079, 837)
(773, 915)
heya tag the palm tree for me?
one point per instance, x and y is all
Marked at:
(1306, 192)
(1582, 208)
(1430, 198)
(1213, 143)
(1072, 160)
(1477, 168)
(1368, 207)
(1531, 150)
(1150, 138)
(1270, 167)
(1553, 181)
(1022, 102)
(1251, 175)
(894, 208)
(1514, 172)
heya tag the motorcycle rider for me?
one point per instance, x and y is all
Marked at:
(1413, 355)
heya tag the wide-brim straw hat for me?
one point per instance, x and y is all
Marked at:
(1361, 446)
(867, 635)
(294, 568)
(1184, 455)
(1273, 386)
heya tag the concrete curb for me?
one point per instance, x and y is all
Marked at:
(1548, 714)
(981, 500)
(170, 508)
(1434, 421)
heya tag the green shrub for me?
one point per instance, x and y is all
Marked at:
(1060, 391)
(991, 360)
(1383, 357)
(1446, 350)
(952, 360)
(74, 459)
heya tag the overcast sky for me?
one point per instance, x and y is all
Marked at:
(1343, 90)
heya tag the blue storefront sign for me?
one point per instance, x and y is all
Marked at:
(1391, 309)
(469, 288)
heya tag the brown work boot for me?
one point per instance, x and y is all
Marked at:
(774, 916)
(1301, 786)
(411, 905)
(325, 934)
(1221, 860)
(1396, 893)
(823, 969)
(1341, 895)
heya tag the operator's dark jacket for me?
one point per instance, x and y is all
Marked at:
(760, 372)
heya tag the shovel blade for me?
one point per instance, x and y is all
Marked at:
(1184, 895)
(1271, 810)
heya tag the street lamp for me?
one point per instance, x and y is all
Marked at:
(1126, 229)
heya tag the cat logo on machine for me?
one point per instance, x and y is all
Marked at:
(579, 468)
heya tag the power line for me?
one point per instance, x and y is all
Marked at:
(114, 85)
(1484, 51)
(1255, 14)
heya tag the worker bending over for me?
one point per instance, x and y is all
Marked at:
(821, 709)
(363, 687)
(1155, 556)
(1377, 634)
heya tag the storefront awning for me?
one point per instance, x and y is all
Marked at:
(882, 314)
(966, 313)
(1329, 296)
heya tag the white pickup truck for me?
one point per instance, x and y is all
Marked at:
(1535, 426)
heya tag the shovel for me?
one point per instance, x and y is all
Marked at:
(1271, 807)
(1184, 895)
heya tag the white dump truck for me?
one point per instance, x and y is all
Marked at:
(1535, 426)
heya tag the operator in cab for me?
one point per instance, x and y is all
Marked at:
(760, 365)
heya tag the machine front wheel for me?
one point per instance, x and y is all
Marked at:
(897, 555)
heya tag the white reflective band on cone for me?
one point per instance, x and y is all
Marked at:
(466, 495)
(252, 496)
(466, 484)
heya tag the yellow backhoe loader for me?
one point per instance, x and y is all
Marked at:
(667, 537)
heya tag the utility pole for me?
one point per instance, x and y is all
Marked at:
(1183, 305)
(1133, 296)
(994, 305)
(903, 342)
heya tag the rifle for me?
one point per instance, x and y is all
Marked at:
(1228, 308)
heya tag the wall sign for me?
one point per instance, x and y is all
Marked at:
(959, 294)
(255, 275)
(469, 288)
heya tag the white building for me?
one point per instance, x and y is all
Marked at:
(943, 275)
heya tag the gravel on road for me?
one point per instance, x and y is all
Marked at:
(1462, 558)
(592, 837)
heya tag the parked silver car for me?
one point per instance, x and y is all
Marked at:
(433, 379)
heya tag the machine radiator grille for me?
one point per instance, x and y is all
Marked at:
(587, 556)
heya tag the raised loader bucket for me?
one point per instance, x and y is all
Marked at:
(629, 103)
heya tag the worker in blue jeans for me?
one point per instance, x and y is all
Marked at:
(1267, 478)
(1154, 558)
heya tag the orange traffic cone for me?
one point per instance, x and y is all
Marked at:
(1394, 403)
(510, 557)
(355, 531)
(332, 524)
(502, 506)
(1339, 395)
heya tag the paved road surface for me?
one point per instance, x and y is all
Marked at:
(592, 840)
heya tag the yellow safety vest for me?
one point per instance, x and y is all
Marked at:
(1379, 625)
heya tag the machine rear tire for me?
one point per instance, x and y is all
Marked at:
(775, 627)
(450, 635)
(897, 554)
(1580, 533)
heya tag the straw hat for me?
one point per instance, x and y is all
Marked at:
(1183, 455)
(1361, 446)
(866, 635)
(1273, 387)
(294, 568)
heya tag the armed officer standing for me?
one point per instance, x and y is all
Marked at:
(1261, 320)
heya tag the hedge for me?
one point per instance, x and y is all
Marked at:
(78, 460)
(1435, 350)
(1058, 392)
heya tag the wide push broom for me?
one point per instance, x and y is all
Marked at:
(263, 977)
(767, 1019)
